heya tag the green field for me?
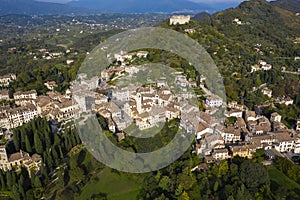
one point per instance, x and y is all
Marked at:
(115, 186)
(281, 179)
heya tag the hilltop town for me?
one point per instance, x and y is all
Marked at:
(242, 133)
(244, 146)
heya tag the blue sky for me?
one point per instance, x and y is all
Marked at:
(204, 1)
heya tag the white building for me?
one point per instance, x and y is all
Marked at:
(284, 142)
(213, 101)
(275, 117)
(220, 154)
(91, 83)
(121, 94)
(180, 19)
(14, 117)
(267, 91)
(32, 94)
(233, 113)
(230, 134)
(202, 130)
(50, 85)
(298, 125)
(6, 79)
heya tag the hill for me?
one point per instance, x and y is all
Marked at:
(238, 38)
(292, 5)
(200, 16)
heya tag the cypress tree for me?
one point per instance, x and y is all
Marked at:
(27, 144)
(38, 145)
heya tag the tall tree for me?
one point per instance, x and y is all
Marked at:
(38, 145)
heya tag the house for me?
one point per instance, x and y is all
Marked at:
(32, 94)
(279, 126)
(230, 134)
(50, 85)
(91, 83)
(285, 100)
(255, 68)
(298, 125)
(209, 159)
(235, 105)
(121, 94)
(120, 123)
(67, 110)
(189, 122)
(262, 125)
(275, 117)
(213, 101)
(14, 117)
(6, 79)
(179, 19)
(267, 91)
(143, 121)
(220, 154)
(297, 146)
(233, 113)
(242, 151)
(181, 81)
(142, 54)
(100, 98)
(172, 113)
(284, 142)
(202, 167)
(69, 62)
(111, 125)
(18, 159)
(120, 136)
(44, 103)
(250, 116)
(266, 67)
(4, 95)
(202, 130)
(162, 82)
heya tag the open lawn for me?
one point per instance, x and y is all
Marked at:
(116, 186)
(281, 179)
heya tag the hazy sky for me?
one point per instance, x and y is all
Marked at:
(56, 1)
(205, 1)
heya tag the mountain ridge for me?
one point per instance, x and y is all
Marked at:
(32, 7)
(87, 7)
(142, 6)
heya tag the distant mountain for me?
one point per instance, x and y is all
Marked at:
(142, 6)
(31, 7)
(200, 16)
(292, 5)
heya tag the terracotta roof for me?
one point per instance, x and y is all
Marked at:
(17, 156)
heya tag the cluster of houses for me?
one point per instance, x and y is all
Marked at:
(147, 106)
(29, 105)
(248, 133)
